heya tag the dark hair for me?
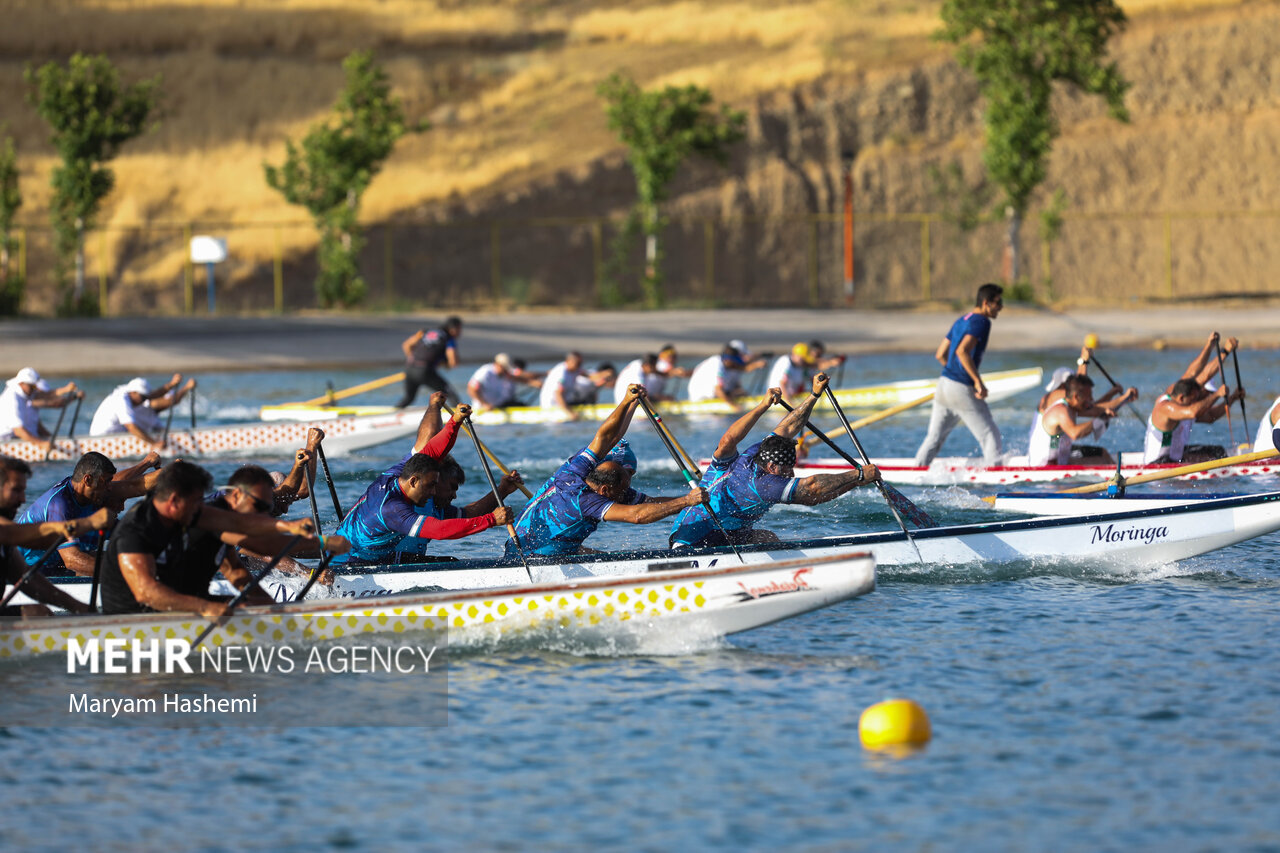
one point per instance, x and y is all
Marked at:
(420, 465)
(252, 475)
(650, 361)
(1076, 383)
(988, 293)
(1185, 388)
(181, 478)
(453, 323)
(451, 470)
(9, 467)
(610, 476)
(606, 365)
(93, 463)
(520, 363)
(818, 345)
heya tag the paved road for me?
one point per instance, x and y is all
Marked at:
(125, 345)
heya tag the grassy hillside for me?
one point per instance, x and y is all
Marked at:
(509, 87)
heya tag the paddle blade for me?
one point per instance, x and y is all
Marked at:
(903, 504)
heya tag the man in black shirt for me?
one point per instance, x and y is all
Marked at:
(143, 568)
(424, 352)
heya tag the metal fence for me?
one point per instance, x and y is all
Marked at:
(901, 259)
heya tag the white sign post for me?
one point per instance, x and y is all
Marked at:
(209, 251)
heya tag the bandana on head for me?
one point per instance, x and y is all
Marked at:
(780, 453)
(623, 455)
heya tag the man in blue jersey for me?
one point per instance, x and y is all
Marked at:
(93, 484)
(440, 505)
(594, 485)
(387, 512)
(744, 486)
(961, 394)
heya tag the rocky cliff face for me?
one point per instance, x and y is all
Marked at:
(1182, 202)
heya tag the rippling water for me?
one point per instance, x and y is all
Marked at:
(1072, 709)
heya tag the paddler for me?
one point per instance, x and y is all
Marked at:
(744, 486)
(14, 474)
(142, 567)
(720, 376)
(652, 372)
(22, 394)
(1190, 399)
(594, 485)
(961, 393)
(1064, 422)
(94, 483)
(794, 371)
(387, 512)
(1105, 408)
(133, 408)
(424, 352)
(493, 385)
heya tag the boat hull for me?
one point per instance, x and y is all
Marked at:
(961, 471)
(1067, 505)
(342, 437)
(1001, 384)
(715, 601)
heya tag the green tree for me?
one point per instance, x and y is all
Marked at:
(92, 114)
(11, 285)
(1018, 49)
(333, 167)
(661, 129)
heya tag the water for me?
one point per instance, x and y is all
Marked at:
(1072, 708)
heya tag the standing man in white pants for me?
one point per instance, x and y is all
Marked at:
(962, 395)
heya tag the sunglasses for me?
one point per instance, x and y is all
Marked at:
(259, 504)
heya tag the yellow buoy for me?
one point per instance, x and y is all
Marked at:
(894, 722)
(1091, 340)
(1158, 345)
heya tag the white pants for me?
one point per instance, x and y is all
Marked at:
(953, 403)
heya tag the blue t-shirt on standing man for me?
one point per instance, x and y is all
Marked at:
(974, 324)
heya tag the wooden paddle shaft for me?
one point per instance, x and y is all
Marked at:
(353, 390)
(1176, 472)
(876, 417)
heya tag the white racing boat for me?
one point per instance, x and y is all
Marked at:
(1097, 504)
(961, 471)
(1001, 384)
(1119, 541)
(342, 436)
(717, 601)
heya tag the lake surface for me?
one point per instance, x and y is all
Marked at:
(1073, 709)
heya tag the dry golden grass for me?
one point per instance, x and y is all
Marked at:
(508, 84)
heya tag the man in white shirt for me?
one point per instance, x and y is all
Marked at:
(133, 407)
(559, 385)
(720, 377)
(493, 386)
(652, 372)
(19, 419)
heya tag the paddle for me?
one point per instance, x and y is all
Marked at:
(315, 509)
(1093, 359)
(484, 463)
(315, 576)
(331, 397)
(1235, 360)
(75, 415)
(688, 477)
(244, 590)
(31, 571)
(662, 425)
(835, 404)
(97, 570)
(1175, 472)
(164, 436)
(876, 417)
(1222, 377)
(57, 426)
(328, 478)
(917, 515)
(485, 450)
(193, 409)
